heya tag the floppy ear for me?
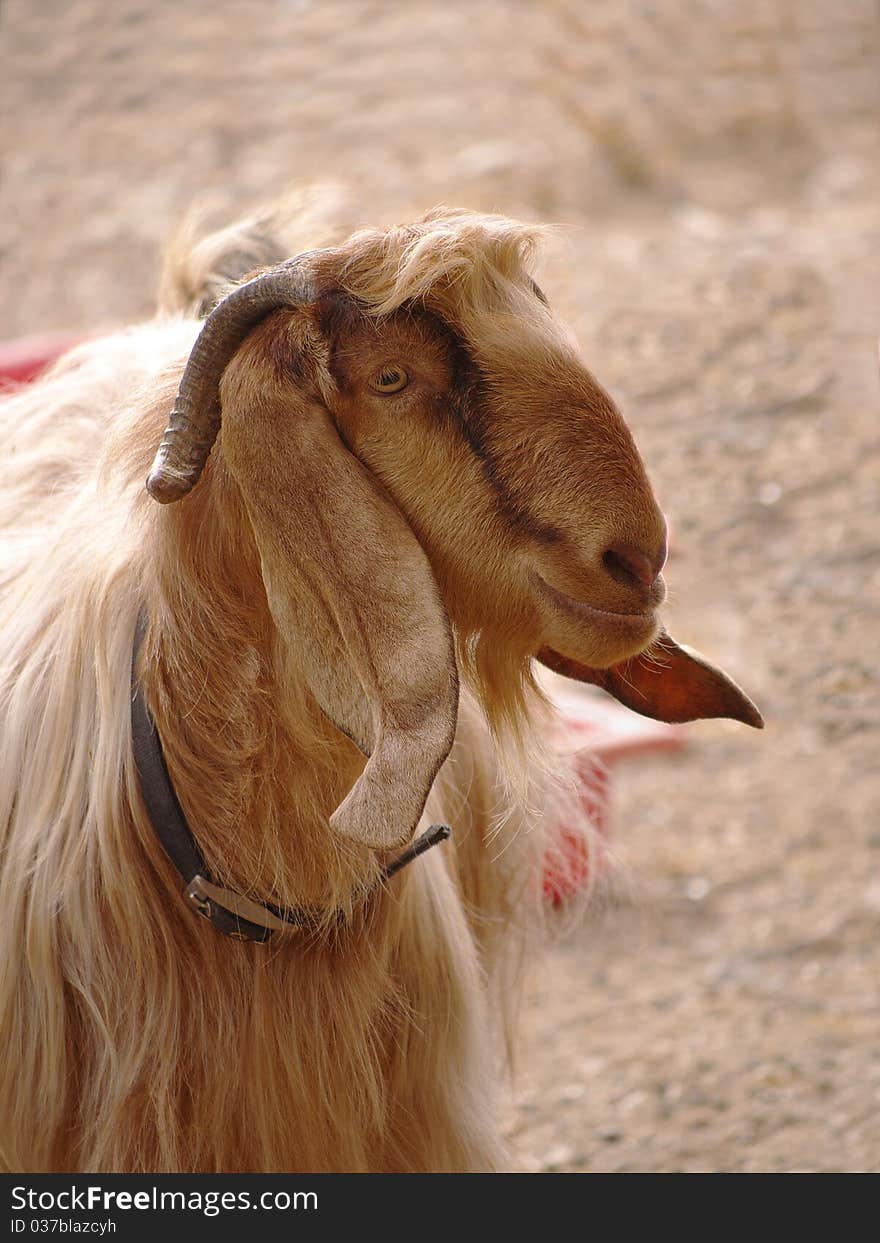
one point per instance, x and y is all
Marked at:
(669, 682)
(349, 587)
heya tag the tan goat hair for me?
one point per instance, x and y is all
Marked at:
(415, 487)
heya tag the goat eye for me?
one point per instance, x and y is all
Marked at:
(390, 380)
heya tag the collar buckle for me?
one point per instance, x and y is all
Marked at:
(206, 899)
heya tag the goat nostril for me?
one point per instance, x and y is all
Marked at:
(629, 566)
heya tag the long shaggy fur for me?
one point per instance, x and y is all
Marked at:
(134, 1036)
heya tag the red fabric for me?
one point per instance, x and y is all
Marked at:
(601, 733)
(567, 869)
(22, 360)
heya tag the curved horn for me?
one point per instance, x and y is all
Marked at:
(195, 420)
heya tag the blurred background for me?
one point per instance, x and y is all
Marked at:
(715, 170)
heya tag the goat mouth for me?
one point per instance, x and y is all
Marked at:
(634, 624)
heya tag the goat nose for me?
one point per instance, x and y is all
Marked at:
(631, 566)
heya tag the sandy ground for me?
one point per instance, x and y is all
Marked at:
(716, 170)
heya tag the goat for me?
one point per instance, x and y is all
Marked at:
(416, 488)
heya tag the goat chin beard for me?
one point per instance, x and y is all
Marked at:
(498, 668)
